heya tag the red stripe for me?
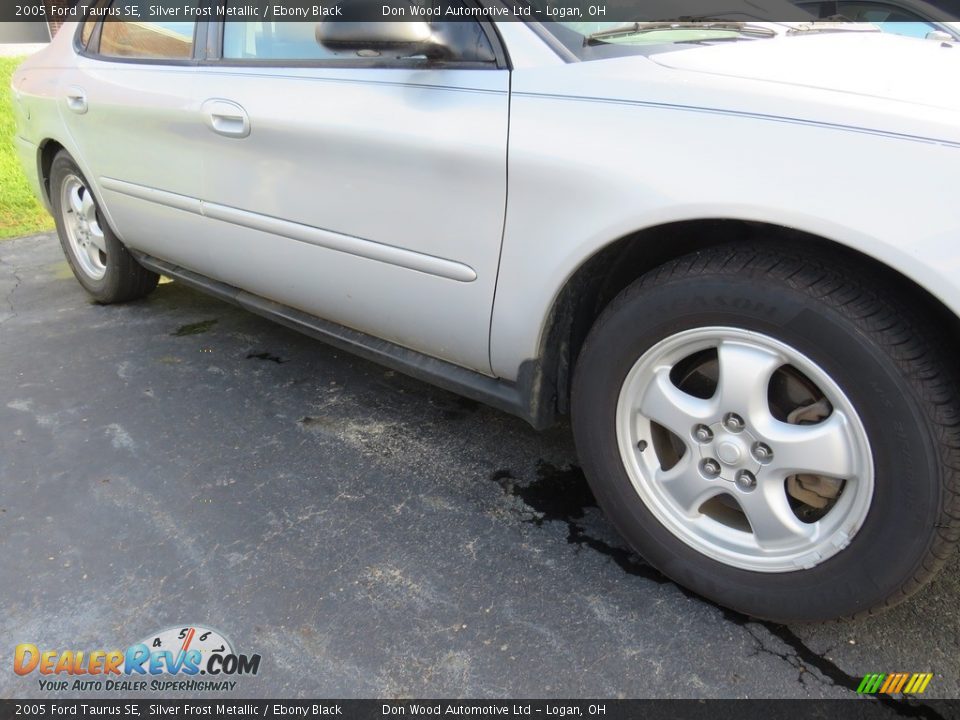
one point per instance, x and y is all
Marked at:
(186, 640)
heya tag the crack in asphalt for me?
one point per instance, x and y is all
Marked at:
(17, 280)
(563, 495)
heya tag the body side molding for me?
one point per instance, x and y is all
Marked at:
(361, 247)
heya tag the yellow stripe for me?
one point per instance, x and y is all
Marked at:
(923, 686)
(914, 680)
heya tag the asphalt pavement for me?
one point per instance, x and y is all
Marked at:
(178, 461)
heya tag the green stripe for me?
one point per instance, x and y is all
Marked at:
(871, 683)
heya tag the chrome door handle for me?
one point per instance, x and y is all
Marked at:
(77, 100)
(226, 118)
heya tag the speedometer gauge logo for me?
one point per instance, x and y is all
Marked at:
(179, 639)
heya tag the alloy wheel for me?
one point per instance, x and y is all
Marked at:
(82, 225)
(745, 449)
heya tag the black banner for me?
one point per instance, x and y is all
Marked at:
(589, 11)
(865, 708)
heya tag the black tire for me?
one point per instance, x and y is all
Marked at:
(124, 279)
(884, 356)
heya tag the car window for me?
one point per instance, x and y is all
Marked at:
(297, 41)
(888, 17)
(876, 12)
(148, 40)
(273, 41)
(910, 29)
(87, 31)
(88, 26)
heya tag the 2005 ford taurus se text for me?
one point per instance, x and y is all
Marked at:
(730, 253)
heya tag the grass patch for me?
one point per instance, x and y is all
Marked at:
(20, 212)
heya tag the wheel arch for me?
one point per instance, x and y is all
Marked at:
(600, 277)
(46, 152)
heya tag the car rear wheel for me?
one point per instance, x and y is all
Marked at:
(100, 262)
(770, 430)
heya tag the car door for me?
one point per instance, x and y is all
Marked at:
(129, 107)
(367, 191)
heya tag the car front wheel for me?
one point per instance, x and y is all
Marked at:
(770, 430)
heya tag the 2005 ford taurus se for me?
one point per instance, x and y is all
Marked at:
(730, 253)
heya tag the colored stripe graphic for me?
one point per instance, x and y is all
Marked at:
(882, 683)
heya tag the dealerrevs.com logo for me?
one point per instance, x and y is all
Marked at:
(188, 658)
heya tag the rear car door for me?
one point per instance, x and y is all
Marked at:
(130, 107)
(368, 191)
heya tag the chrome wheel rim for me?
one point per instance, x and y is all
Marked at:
(732, 470)
(82, 225)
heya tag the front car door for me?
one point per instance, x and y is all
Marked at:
(368, 191)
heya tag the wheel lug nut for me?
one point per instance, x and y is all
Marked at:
(762, 453)
(733, 422)
(702, 434)
(710, 468)
(746, 480)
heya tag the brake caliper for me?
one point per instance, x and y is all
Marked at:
(814, 490)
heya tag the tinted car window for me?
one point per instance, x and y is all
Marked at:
(875, 12)
(90, 24)
(87, 31)
(273, 41)
(899, 18)
(149, 40)
(889, 18)
(297, 41)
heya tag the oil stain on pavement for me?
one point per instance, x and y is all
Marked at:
(197, 328)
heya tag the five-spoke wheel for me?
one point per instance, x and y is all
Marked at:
(82, 225)
(752, 453)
